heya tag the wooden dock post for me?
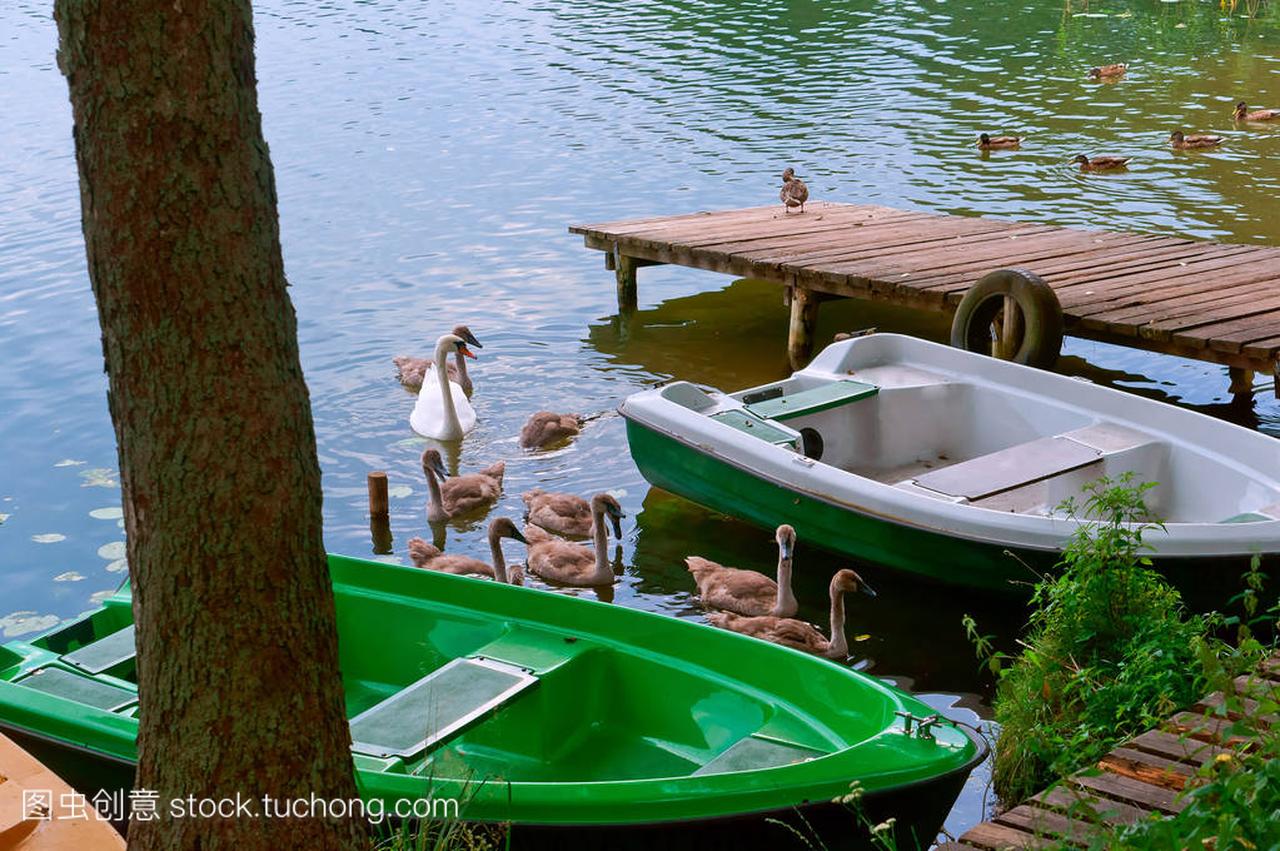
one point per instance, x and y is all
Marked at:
(1241, 381)
(379, 513)
(804, 318)
(625, 270)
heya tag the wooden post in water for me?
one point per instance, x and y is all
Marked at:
(379, 513)
(625, 270)
(1241, 381)
(804, 318)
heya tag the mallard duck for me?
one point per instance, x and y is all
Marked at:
(1242, 113)
(1101, 163)
(746, 592)
(545, 429)
(413, 371)
(793, 192)
(1109, 72)
(797, 634)
(567, 563)
(1183, 142)
(458, 495)
(997, 143)
(427, 556)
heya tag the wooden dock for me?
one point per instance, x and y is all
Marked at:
(1142, 777)
(1210, 301)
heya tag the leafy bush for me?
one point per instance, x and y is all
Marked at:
(1110, 651)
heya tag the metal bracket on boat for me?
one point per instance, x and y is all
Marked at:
(923, 726)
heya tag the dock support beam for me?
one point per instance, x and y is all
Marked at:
(1241, 381)
(624, 268)
(804, 318)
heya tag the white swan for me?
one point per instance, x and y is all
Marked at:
(444, 415)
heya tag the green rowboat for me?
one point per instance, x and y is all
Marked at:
(578, 722)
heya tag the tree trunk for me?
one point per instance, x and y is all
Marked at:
(237, 644)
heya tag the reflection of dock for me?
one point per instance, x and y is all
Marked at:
(1204, 300)
(1144, 777)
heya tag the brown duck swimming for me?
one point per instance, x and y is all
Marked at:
(797, 634)
(793, 192)
(1183, 142)
(1101, 163)
(546, 428)
(1242, 113)
(998, 143)
(1113, 71)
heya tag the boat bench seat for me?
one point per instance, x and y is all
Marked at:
(1030, 462)
(105, 653)
(787, 406)
(743, 421)
(443, 703)
(86, 690)
(753, 753)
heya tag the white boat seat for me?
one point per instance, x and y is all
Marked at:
(753, 752)
(105, 653)
(1031, 462)
(443, 703)
(90, 692)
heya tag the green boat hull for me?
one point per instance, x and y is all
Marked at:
(702, 477)
(603, 720)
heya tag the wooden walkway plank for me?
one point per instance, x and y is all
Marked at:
(1078, 804)
(1045, 822)
(1124, 788)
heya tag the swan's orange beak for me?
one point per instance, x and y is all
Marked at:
(466, 352)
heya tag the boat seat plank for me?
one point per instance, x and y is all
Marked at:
(812, 401)
(746, 423)
(753, 752)
(436, 707)
(1010, 468)
(105, 653)
(62, 683)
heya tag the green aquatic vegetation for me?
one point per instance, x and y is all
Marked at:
(1109, 651)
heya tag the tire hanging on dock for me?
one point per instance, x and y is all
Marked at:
(1039, 316)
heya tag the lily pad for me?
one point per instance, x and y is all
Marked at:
(120, 565)
(112, 551)
(862, 637)
(4, 517)
(69, 576)
(49, 538)
(70, 462)
(411, 441)
(98, 477)
(20, 623)
(112, 513)
(399, 491)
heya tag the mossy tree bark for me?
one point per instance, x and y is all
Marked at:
(237, 644)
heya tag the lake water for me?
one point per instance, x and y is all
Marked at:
(429, 157)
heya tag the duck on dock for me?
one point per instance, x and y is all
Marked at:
(566, 563)
(1242, 113)
(998, 143)
(1114, 71)
(546, 429)
(1103, 163)
(797, 634)
(746, 592)
(429, 557)
(1182, 142)
(793, 192)
(412, 371)
(459, 495)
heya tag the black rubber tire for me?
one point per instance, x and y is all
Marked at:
(1041, 316)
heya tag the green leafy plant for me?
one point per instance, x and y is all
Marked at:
(1109, 651)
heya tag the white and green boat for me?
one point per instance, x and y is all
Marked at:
(951, 464)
